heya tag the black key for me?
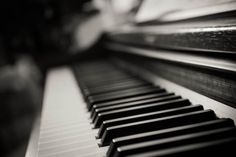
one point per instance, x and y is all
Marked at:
(140, 110)
(93, 63)
(155, 124)
(113, 95)
(172, 142)
(132, 104)
(126, 94)
(95, 77)
(146, 116)
(216, 148)
(127, 100)
(88, 90)
(115, 87)
(101, 74)
(107, 74)
(160, 134)
(113, 84)
(104, 82)
(99, 79)
(131, 99)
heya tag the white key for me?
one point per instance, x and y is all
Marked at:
(65, 128)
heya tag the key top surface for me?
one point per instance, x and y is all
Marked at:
(139, 110)
(155, 124)
(175, 131)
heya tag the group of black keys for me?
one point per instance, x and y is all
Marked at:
(137, 118)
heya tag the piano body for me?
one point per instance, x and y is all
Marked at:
(162, 87)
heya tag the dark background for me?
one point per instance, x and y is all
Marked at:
(32, 36)
(35, 26)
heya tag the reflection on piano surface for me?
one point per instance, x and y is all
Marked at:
(165, 87)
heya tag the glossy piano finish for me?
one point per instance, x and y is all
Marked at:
(207, 34)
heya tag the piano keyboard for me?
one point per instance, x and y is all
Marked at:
(119, 114)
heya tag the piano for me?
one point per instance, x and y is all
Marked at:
(159, 87)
